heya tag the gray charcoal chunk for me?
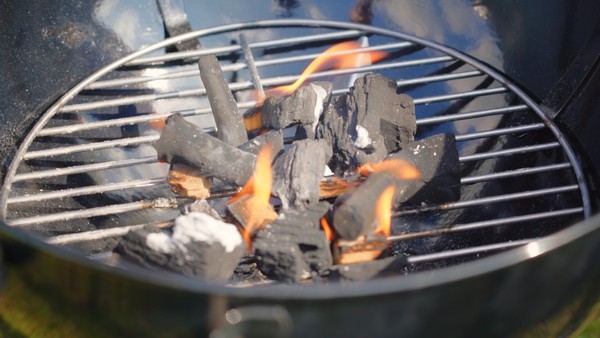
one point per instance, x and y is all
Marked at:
(272, 137)
(304, 106)
(134, 247)
(436, 157)
(208, 261)
(183, 142)
(298, 173)
(368, 123)
(280, 261)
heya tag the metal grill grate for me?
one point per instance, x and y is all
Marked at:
(86, 173)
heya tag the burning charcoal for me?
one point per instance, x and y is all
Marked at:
(272, 137)
(436, 158)
(354, 214)
(366, 124)
(359, 272)
(438, 181)
(187, 182)
(298, 172)
(300, 230)
(202, 206)
(247, 272)
(364, 249)
(229, 121)
(281, 261)
(304, 107)
(182, 142)
(200, 246)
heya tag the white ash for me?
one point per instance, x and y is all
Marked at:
(362, 137)
(327, 171)
(200, 227)
(160, 242)
(321, 95)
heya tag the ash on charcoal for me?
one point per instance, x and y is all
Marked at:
(368, 123)
(199, 246)
(436, 158)
(298, 172)
(359, 272)
(303, 107)
(183, 142)
(296, 240)
(274, 138)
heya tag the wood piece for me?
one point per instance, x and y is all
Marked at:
(187, 182)
(229, 121)
(298, 172)
(183, 142)
(363, 249)
(241, 211)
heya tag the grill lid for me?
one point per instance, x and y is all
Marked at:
(86, 173)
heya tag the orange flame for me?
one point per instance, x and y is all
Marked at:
(327, 229)
(383, 211)
(259, 186)
(331, 59)
(399, 168)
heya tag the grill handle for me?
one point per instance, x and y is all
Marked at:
(255, 321)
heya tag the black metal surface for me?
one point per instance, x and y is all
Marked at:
(515, 297)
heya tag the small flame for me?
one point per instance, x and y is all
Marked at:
(399, 168)
(331, 59)
(383, 211)
(259, 186)
(327, 229)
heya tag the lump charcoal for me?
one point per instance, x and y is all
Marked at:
(199, 246)
(229, 121)
(272, 137)
(436, 158)
(183, 142)
(136, 247)
(358, 272)
(302, 230)
(200, 206)
(380, 110)
(207, 247)
(304, 106)
(280, 261)
(354, 214)
(298, 172)
(366, 124)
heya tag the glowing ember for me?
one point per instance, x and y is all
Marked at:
(331, 59)
(383, 211)
(259, 187)
(327, 229)
(399, 168)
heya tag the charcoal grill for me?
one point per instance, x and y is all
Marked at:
(86, 173)
(102, 128)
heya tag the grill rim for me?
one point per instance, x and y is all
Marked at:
(34, 132)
